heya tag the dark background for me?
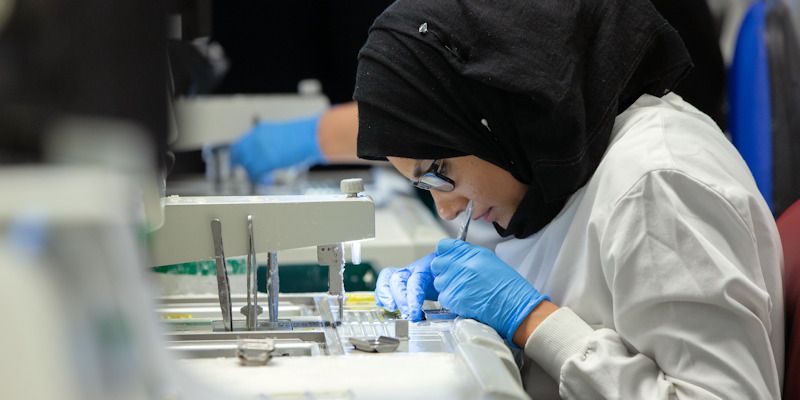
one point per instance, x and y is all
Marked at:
(272, 45)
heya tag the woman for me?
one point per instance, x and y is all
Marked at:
(644, 262)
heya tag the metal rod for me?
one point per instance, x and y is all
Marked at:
(332, 255)
(252, 288)
(336, 276)
(223, 286)
(462, 232)
(273, 278)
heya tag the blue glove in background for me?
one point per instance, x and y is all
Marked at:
(405, 289)
(273, 145)
(474, 283)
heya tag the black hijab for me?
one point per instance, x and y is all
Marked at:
(530, 86)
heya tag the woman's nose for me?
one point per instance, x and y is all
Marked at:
(447, 205)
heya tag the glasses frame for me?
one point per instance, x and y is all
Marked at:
(433, 179)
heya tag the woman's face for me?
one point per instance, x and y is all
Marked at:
(494, 192)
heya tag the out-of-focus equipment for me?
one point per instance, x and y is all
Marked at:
(764, 90)
(405, 229)
(215, 120)
(72, 256)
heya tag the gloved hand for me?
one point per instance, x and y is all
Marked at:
(406, 288)
(273, 145)
(474, 283)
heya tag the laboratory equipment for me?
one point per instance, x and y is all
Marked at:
(255, 351)
(264, 223)
(405, 229)
(251, 310)
(321, 329)
(462, 232)
(443, 313)
(222, 275)
(455, 359)
(380, 344)
(401, 328)
(273, 284)
(214, 120)
(333, 257)
(439, 314)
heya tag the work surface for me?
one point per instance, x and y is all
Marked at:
(449, 359)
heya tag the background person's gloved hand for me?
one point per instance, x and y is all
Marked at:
(273, 145)
(405, 289)
(474, 283)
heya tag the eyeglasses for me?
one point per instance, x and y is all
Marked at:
(433, 179)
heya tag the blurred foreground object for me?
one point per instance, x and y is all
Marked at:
(80, 311)
(62, 58)
(764, 89)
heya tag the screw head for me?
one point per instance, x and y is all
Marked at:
(352, 187)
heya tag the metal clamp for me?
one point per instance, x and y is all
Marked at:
(273, 285)
(223, 286)
(251, 310)
(332, 255)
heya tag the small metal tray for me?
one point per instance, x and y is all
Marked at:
(380, 344)
(254, 351)
(439, 315)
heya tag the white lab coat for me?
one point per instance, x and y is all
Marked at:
(667, 266)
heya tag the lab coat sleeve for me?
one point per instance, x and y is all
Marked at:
(690, 308)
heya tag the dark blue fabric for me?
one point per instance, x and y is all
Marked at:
(750, 108)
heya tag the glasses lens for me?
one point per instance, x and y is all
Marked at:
(430, 181)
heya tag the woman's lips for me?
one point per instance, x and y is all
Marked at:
(486, 216)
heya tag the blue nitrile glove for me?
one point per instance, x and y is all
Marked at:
(474, 283)
(406, 288)
(273, 145)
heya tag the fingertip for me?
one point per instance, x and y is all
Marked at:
(399, 277)
(446, 244)
(415, 292)
(385, 301)
(437, 265)
(438, 284)
(383, 297)
(444, 300)
(383, 276)
(404, 312)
